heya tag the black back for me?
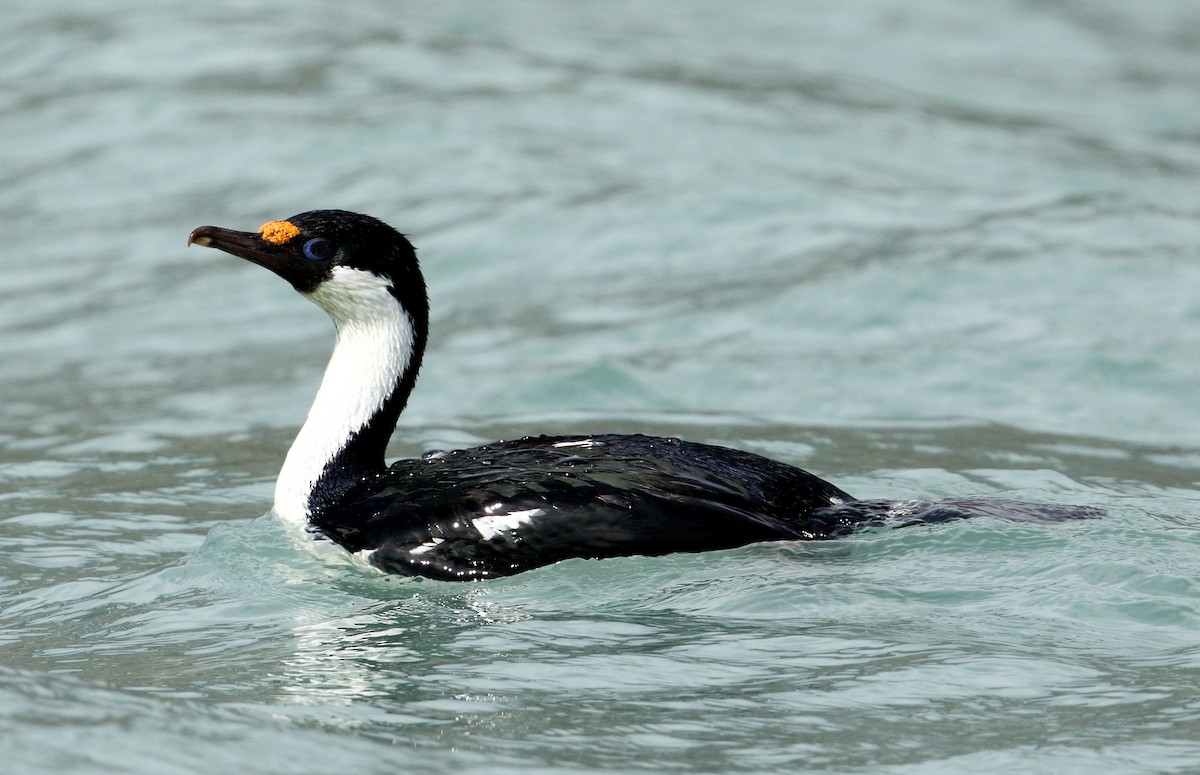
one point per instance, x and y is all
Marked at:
(579, 496)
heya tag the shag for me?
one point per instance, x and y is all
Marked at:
(510, 506)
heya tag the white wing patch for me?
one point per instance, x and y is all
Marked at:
(493, 525)
(425, 547)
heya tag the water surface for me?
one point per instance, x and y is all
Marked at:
(922, 249)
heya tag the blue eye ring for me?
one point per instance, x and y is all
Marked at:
(318, 249)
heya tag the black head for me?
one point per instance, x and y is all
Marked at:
(306, 248)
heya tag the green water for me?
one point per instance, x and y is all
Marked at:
(923, 249)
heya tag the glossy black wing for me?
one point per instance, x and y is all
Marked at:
(511, 506)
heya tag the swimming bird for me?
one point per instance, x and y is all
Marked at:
(509, 506)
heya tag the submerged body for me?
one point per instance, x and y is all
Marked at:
(510, 506)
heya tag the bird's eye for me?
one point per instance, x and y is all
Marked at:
(318, 249)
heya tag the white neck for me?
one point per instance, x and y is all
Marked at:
(373, 350)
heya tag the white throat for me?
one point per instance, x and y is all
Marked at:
(373, 350)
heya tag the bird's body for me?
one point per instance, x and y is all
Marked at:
(514, 505)
(510, 506)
